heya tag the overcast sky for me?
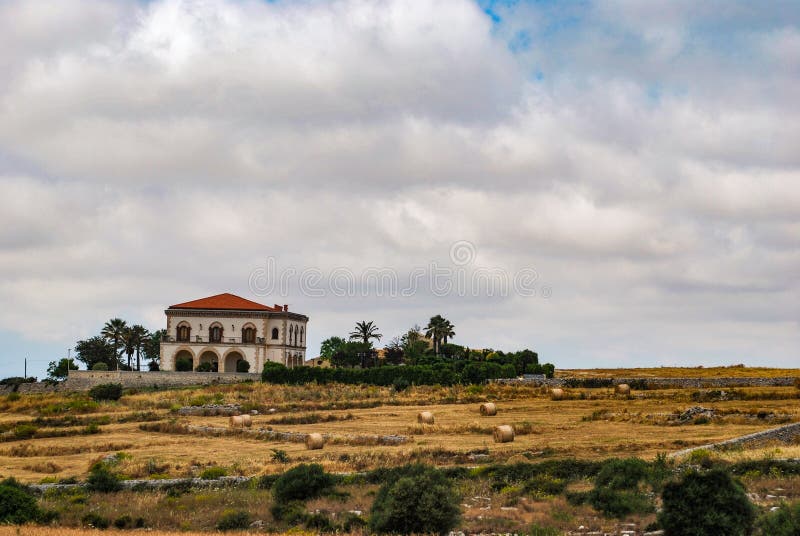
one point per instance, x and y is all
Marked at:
(631, 168)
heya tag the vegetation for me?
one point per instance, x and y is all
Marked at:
(420, 502)
(233, 520)
(706, 504)
(106, 391)
(17, 504)
(102, 479)
(58, 370)
(301, 483)
(785, 521)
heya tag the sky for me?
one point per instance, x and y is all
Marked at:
(610, 183)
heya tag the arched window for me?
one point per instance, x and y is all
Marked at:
(296, 335)
(291, 333)
(184, 332)
(249, 335)
(302, 336)
(215, 333)
(274, 333)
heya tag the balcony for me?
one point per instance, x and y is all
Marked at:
(206, 340)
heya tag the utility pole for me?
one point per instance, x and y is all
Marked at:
(25, 374)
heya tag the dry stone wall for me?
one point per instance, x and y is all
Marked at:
(83, 380)
(663, 383)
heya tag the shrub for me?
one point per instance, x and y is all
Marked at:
(709, 503)
(100, 366)
(24, 431)
(618, 503)
(292, 513)
(306, 481)
(94, 520)
(622, 473)
(13, 397)
(17, 504)
(102, 479)
(242, 366)
(183, 364)
(785, 521)
(123, 522)
(205, 367)
(106, 391)
(422, 503)
(233, 519)
(279, 456)
(214, 472)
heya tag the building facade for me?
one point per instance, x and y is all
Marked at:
(225, 329)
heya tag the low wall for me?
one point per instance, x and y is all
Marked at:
(786, 434)
(664, 383)
(83, 380)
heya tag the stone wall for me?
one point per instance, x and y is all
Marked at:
(83, 380)
(665, 383)
(38, 388)
(785, 434)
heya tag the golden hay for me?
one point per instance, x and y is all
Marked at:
(488, 409)
(425, 417)
(622, 389)
(247, 420)
(503, 433)
(236, 421)
(314, 441)
(557, 394)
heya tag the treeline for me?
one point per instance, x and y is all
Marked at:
(435, 372)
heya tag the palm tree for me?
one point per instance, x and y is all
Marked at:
(139, 334)
(447, 330)
(365, 331)
(113, 331)
(129, 344)
(439, 329)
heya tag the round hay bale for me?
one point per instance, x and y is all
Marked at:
(314, 441)
(236, 421)
(503, 433)
(488, 409)
(247, 420)
(425, 417)
(557, 394)
(622, 389)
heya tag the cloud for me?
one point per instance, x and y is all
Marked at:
(641, 159)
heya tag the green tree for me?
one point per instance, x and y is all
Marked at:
(17, 504)
(96, 350)
(58, 370)
(113, 332)
(365, 331)
(785, 521)
(420, 502)
(351, 354)
(152, 348)
(138, 335)
(706, 504)
(439, 330)
(129, 345)
(330, 346)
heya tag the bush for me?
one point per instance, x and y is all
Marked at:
(306, 481)
(205, 367)
(25, 431)
(102, 479)
(709, 504)
(106, 391)
(618, 503)
(183, 364)
(99, 366)
(422, 503)
(785, 521)
(94, 520)
(233, 519)
(242, 366)
(17, 504)
(212, 473)
(622, 474)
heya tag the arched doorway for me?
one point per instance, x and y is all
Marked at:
(209, 357)
(184, 361)
(230, 361)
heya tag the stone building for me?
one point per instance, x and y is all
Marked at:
(225, 329)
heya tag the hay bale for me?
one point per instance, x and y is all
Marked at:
(314, 441)
(622, 389)
(503, 433)
(488, 409)
(425, 417)
(247, 420)
(557, 394)
(236, 421)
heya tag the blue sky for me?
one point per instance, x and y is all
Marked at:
(639, 157)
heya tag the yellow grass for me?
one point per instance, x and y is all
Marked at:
(735, 371)
(62, 531)
(553, 428)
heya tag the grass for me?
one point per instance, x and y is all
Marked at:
(733, 371)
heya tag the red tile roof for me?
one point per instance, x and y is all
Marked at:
(225, 302)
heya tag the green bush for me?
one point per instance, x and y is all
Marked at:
(102, 479)
(706, 504)
(99, 366)
(618, 503)
(25, 431)
(242, 366)
(785, 521)
(205, 367)
(622, 473)
(214, 472)
(301, 483)
(233, 520)
(291, 513)
(17, 504)
(183, 364)
(13, 397)
(106, 391)
(423, 502)
(94, 520)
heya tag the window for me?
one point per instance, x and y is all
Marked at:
(215, 333)
(291, 333)
(302, 336)
(184, 332)
(248, 335)
(274, 333)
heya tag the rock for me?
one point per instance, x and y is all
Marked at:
(257, 524)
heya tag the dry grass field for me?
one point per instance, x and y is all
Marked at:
(735, 371)
(588, 424)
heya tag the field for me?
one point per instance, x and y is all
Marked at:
(56, 437)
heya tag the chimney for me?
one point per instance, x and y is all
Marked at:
(277, 307)
(285, 308)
